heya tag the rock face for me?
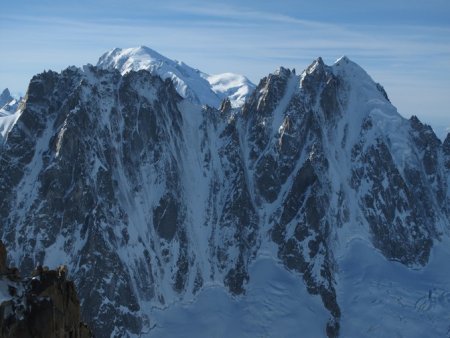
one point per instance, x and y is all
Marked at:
(45, 305)
(148, 197)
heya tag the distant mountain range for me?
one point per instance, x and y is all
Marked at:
(192, 205)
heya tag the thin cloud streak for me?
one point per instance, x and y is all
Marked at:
(395, 46)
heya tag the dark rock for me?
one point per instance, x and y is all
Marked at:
(45, 305)
(165, 217)
(389, 197)
(3, 266)
(382, 91)
(225, 106)
(446, 150)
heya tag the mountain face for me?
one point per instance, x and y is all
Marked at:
(153, 200)
(190, 83)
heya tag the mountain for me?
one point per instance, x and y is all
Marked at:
(314, 208)
(190, 83)
(5, 97)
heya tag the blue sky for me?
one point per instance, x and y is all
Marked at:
(404, 45)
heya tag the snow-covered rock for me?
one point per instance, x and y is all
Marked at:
(156, 203)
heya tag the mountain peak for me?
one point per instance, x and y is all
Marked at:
(128, 59)
(283, 72)
(190, 83)
(5, 92)
(343, 59)
(358, 78)
(5, 97)
(345, 66)
(316, 66)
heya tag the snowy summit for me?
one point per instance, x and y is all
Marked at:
(190, 83)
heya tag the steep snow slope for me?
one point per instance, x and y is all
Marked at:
(8, 117)
(190, 83)
(6, 123)
(157, 204)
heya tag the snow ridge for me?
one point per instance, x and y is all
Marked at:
(196, 86)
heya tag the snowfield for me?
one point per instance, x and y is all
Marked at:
(382, 298)
(276, 304)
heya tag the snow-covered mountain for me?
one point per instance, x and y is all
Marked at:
(190, 83)
(315, 208)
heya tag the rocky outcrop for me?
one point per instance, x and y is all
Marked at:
(44, 305)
